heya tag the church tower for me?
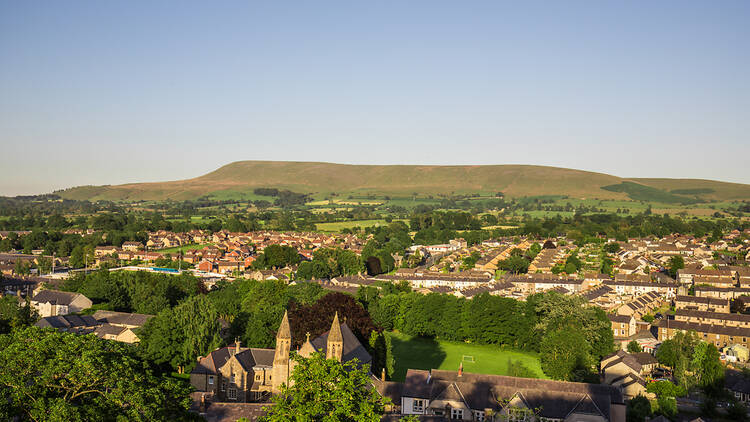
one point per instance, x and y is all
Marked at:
(281, 370)
(335, 345)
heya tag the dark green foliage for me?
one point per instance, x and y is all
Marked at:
(15, 314)
(675, 263)
(697, 191)
(330, 262)
(639, 192)
(634, 347)
(54, 376)
(316, 318)
(638, 409)
(277, 256)
(135, 291)
(177, 336)
(566, 355)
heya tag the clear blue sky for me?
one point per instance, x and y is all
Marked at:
(101, 92)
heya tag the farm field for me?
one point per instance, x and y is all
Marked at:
(340, 225)
(421, 353)
(184, 248)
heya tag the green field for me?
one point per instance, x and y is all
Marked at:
(184, 248)
(340, 225)
(421, 353)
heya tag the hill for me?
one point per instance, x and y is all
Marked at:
(240, 178)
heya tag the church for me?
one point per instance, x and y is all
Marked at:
(246, 374)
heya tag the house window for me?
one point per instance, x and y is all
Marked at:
(257, 377)
(232, 381)
(210, 380)
(232, 394)
(418, 405)
(223, 385)
(478, 415)
(457, 413)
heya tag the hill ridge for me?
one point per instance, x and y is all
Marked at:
(321, 178)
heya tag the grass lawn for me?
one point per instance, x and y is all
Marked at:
(421, 353)
(185, 248)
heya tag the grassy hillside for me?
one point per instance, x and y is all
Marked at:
(238, 179)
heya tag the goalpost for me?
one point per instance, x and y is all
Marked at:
(468, 358)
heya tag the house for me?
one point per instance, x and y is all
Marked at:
(627, 371)
(622, 325)
(240, 374)
(132, 246)
(119, 326)
(721, 336)
(715, 318)
(641, 305)
(467, 396)
(701, 303)
(55, 302)
(738, 385)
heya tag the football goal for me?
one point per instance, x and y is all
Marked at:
(468, 358)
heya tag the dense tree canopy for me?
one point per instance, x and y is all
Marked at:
(50, 375)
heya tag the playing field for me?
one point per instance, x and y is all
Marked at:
(184, 248)
(420, 353)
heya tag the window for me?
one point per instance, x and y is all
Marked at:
(418, 405)
(232, 394)
(457, 413)
(232, 381)
(257, 377)
(478, 415)
(223, 385)
(210, 380)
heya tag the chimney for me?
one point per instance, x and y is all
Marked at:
(382, 375)
(237, 345)
(461, 369)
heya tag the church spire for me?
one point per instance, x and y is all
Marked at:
(284, 331)
(335, 343)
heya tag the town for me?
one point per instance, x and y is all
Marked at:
(646, 303)
(378, 211)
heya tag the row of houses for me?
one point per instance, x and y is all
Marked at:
(110, 325)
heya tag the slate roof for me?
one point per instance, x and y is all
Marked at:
(108, 329)
(352, 347)
(122, 318)
(67, 321)
(55, 297)
(556, 399)
(248, 358)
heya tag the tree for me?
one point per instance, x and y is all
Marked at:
(178, 336)
(56, 376)
(14, 315)
(326, 390)
(634, 347)
(638, 409)
(565, 355)
(676, 263)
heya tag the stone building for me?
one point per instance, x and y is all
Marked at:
(243, 374)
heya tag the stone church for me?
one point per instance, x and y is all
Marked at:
(244, 374)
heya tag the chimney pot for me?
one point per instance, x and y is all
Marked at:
(382, 375)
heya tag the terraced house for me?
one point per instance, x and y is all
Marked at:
(477, 397)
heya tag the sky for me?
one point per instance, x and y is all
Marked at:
(98, 92)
